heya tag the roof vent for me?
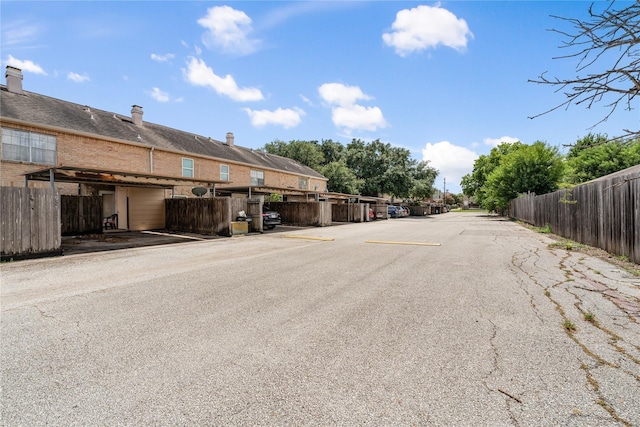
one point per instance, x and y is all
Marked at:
(14, 79)
(136, 115)
(230, 139)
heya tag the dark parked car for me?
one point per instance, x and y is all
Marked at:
(393, 212)
(270, 218)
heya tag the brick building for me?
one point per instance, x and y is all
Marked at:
(134, 165)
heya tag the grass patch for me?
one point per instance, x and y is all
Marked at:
(567, 245)
(543, 230)
(589, 317)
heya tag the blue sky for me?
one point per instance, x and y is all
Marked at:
(446, 80)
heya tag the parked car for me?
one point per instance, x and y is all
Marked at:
(406, 211)
(270, 218)
(372, 215)
(393, 211)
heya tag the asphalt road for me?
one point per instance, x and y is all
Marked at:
(455, 319)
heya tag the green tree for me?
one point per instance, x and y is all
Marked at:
(474, 184)
(382, 168)
(536, 168)
(423, 178)
(341, 178)
(332, 151)
(306, 152)
(595, 155)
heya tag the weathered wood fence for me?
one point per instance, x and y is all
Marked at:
(29, 222)
(604, 213)
(211, 215)
(350, 212)
(80, 214)
(303, 214)
(252, 209)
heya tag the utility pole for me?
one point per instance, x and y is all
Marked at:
(444, 192)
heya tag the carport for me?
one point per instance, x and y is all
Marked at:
(136, 198)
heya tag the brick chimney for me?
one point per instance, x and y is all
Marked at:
(230, 139)
(14, 79)
(136, 115)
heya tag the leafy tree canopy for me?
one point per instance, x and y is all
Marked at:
(367, 168)
(306, 152)
(595, 156)
(511, 169)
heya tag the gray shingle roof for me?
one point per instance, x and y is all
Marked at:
(40, 109)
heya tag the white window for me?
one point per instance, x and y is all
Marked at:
(30, 147)
(224, 172)
(187, 167)
(303, 183)
(257, 177)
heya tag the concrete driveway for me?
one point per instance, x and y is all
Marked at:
(455, 319)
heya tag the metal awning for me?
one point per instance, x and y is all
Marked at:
(264, 190)
(96, 176)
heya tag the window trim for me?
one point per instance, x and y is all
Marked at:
(33, 143)
(192, 168)
(259, 177)
(223, 174)
(303, 183)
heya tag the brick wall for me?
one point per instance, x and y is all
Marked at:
(93, 153)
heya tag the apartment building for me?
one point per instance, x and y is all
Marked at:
(134, 165)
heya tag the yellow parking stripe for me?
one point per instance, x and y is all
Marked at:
(324, 239)
(385, 242)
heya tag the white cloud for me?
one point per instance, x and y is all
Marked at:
(306, 100)
(228, 29)
(25, 65)
(159, 95)
(199, 74)
(453, 161)
(78, 78)
(343, 95)
(494, 142)
(287, 118)
(19, 33)
(358, 117)
(348, 115)
(426, 27)
(162, 58)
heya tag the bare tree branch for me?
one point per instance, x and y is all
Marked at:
(609, 37)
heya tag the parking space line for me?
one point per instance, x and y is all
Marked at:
(387, 242)
(324, 239)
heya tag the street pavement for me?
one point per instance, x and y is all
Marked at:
(457, 319)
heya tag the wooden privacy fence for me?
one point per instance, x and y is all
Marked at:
(80, 214)
(604, 213)
(29, 222)
(350, 212)
(211, 215)
(303, 214)
(252, 209)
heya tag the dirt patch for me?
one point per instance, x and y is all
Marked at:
(106, 238)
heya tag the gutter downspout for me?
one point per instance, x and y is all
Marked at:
(151, 159)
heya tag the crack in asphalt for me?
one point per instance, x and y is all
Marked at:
(614, 295)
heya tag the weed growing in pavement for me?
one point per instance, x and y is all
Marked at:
(543, 230)
(623, 258)
(570, 327)
(589, 317)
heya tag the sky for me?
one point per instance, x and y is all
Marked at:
(446, 80)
